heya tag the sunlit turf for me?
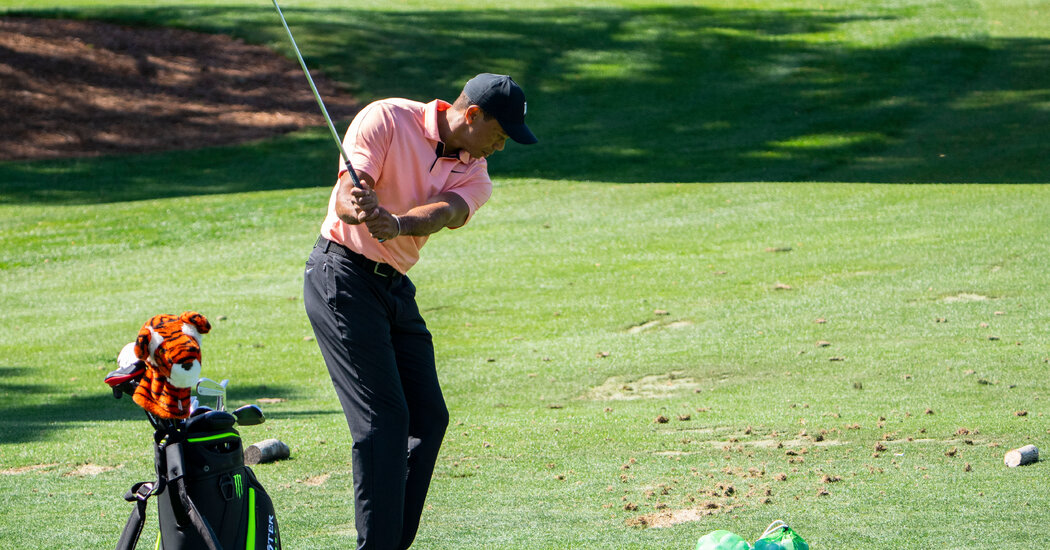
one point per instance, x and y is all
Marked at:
(710, 286)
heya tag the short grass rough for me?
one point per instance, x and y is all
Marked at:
(729, 286)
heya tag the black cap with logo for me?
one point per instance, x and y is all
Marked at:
(501, 97)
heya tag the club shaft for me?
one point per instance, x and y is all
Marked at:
(320, 102)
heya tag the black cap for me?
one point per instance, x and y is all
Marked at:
(499, 96)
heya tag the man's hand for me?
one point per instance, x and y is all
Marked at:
(365, 202)
(383, 225)
(354, 205)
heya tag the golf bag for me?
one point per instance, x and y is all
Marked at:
(207, 498)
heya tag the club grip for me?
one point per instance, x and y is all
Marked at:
(353, 173)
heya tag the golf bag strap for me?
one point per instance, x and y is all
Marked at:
(176, 476)
(139, 494)
(198, 520)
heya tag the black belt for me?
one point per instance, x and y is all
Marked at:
(377, 268)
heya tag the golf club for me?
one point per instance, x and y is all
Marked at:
(206, 387)
(220, 401)
(249, 415)
(320, 103)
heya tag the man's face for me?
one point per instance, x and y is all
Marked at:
(485, 136)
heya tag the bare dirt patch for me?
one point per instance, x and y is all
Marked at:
(82, 88)
(668, 518)
(642, 327)
(786, 443)
(316, 481)
(658, 385)
(26, 469)
(964, 297)
(85, 470)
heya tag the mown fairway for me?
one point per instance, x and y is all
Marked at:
(771, 259)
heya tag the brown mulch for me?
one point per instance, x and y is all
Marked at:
(82, 88)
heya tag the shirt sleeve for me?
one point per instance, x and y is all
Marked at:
(368, 140)
(475, 189)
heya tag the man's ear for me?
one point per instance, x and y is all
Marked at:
(471, 113)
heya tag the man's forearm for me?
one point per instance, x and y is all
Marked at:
(444, 210)
(441, 211)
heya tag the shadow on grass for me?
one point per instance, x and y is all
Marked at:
(23, 419)
(669, 94)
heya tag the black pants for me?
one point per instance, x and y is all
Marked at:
(380, 356)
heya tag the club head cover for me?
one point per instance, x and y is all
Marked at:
(200, 410)
(211, 421)
(129, 372)
(170, 347)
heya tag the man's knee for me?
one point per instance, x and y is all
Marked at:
(440, 419)
(430, 424)
(379, 425)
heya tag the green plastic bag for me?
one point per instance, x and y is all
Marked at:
(779, 536)
(722, 540)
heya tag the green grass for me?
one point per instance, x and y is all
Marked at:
(696, 158)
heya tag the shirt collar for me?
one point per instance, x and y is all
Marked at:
(430, 125)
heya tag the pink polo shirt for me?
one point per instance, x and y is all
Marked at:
(395, 141)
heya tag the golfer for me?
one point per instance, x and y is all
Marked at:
(422, 168)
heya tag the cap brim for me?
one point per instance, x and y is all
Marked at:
(520, 133)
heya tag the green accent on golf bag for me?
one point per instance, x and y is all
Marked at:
(722, 540)
(251, 520)
(216, 479)
(212, 437)
(202, 502)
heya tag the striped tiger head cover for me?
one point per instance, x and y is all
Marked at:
(170, 345)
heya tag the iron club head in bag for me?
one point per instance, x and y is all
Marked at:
(220, 402)
(206, 387)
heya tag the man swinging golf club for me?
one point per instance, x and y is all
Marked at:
(422, 167)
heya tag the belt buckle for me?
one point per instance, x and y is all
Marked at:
(377, 271)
